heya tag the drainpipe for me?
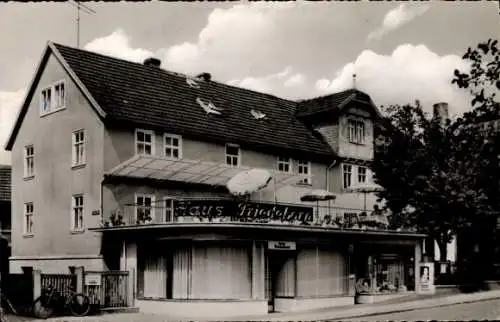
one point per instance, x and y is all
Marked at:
(328, 180)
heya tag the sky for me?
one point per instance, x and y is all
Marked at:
(399, 51)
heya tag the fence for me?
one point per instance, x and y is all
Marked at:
(107, 289)
(60, 282)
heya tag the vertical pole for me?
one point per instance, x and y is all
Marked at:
(37, 284)
(79, 272)
(417, 258)
(78, 24)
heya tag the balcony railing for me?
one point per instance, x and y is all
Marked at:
(233, 211)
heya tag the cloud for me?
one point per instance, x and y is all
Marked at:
(284, 83)
(117, 45)
(398, 17)
(411, 72)
(10, 103)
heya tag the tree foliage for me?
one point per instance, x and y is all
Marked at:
(439, 178)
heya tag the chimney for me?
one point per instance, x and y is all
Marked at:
(205, 76)
(153, 62)
(440, 111)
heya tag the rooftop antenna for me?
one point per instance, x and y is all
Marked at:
(87, 10)
(354, 80)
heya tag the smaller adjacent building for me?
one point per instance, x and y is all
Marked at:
(5, 217)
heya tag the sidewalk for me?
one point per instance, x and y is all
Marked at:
(410, 303)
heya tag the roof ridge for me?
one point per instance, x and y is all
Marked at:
(174, 73)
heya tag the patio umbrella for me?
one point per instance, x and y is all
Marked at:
(318, 195)
(249, 181)
(365, 189)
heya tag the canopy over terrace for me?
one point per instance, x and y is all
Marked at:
(191, 171)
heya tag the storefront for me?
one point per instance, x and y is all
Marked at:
(228, 258)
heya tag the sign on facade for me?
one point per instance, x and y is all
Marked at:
(281, 245)
(426, 278)
(93, 279)
(246, 211)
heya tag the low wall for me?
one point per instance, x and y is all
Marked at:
(303, 304)
(203, 309)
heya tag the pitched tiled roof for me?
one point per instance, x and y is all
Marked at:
(152, 97)
(330, 102)
(5, 182)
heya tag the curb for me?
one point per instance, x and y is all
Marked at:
(406, 310)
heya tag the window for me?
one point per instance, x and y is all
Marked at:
(356, 131)
(53, 98)
(347, 172)
(173, 146)
(232, 155)
(29, 161)
(78, 147)
(304, 167)
(77, 213)
(144, 142)
(28, 218)
(59, 96)
(45, 100)
(169, 209)
(144, 209)
(361, 174)
(284, 164)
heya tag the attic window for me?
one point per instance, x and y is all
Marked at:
(192, 83)
(209, 107)
(257, 114)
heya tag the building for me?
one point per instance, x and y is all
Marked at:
(127, 170)
(5, 235)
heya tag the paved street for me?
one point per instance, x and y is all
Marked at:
(461, 312)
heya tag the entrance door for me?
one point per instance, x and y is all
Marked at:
(276, 260)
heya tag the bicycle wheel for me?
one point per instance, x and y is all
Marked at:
(41, 309)
(79, 305)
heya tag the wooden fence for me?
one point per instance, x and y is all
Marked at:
(108, 289)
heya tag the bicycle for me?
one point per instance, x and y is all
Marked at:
(51, 301)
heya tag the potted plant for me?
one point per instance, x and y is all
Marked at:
(364, 291)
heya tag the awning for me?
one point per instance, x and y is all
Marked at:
(191, 171)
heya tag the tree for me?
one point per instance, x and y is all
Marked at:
(439, 178)
(413, 164)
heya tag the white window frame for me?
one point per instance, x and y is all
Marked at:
(168, 211)
(57, 102)
(301, 164)
(77, 226)
(233, 156)
(284, 162)
(346, 184)
(137, 206)
(360, 175)
(28, 217)
(356, 130)
(75, 145)
(172, 147)
(29, 172)
(136, 142)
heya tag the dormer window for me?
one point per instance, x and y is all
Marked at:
(257, 114)
(356, 131)
(209, 107)
(192, 83)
